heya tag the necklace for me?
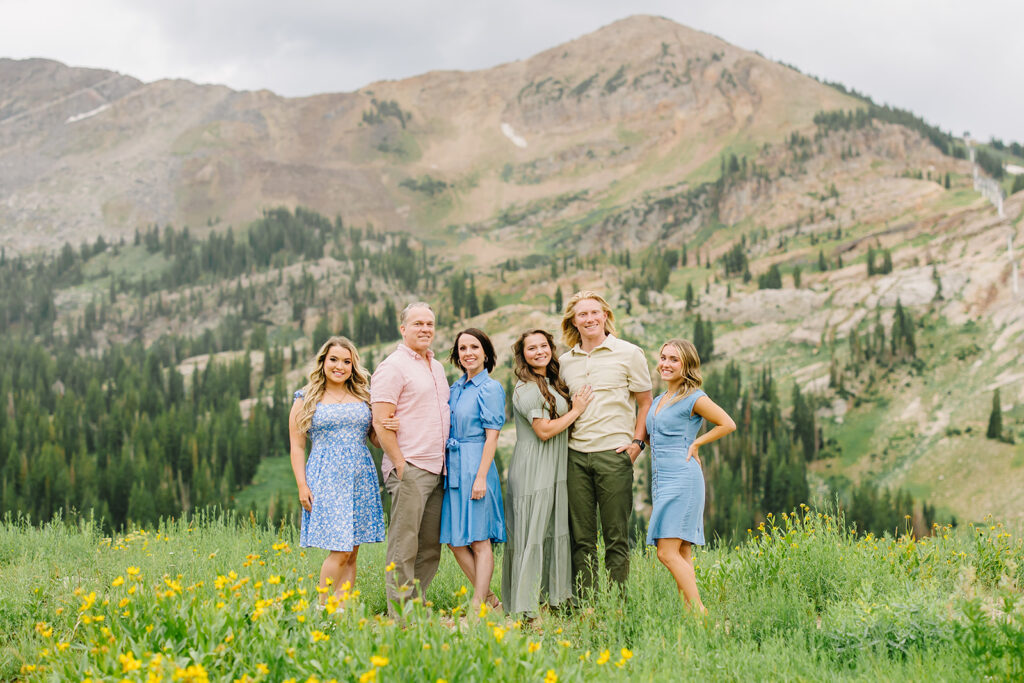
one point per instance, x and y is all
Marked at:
(337, 399)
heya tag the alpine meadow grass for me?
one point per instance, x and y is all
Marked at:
(217, 597)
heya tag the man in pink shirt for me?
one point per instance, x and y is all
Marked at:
(411, 386)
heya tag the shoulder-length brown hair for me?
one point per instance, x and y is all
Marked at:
(357, 384)
(526, 374)
(570, 335)
(485, 344)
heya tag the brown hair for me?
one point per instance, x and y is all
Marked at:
(357, 383)
(526, 374)
(570, 335)
(692, 378)
(485, 344)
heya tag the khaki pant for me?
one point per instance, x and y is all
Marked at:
(599, 483)
(414, 532)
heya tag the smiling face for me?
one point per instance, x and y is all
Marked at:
(670, 364)
(418, 329)
(471, 354)
(337, 366)
(588, 316)
(537, 352)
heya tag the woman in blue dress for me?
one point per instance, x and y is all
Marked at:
(338, 487)
(677, 481)
(472, 512)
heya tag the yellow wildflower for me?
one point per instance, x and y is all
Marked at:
(390, 567)
(551, 676)
(379, 661)
(499, 633)
(603, 658)
(319, 636)
(132, 571)
(370, 675)
(262, 669)
(129, 663)
(626, 654)
(194, 673)
(119, 581)
(533, 646)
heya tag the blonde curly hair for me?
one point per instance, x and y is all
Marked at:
(358, 384)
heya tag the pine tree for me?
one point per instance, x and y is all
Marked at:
(822, 263)
(558, 300)
(995, 418)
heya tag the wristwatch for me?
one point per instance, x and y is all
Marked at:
(640, 443)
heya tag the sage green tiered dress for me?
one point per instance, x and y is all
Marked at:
(537, 565)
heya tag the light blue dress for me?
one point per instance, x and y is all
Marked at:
(340, 473)
(476, 404)
(677, 485)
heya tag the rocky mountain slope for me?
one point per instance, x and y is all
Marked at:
(639, 104)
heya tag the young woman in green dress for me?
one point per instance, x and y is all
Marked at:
(537, 566)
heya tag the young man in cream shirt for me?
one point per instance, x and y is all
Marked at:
(607, 439)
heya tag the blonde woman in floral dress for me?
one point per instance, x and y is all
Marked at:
(338, 487)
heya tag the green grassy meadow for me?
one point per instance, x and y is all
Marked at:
(224, 598)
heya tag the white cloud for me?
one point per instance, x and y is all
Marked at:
(953, 63)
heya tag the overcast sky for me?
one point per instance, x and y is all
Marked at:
(958, 64)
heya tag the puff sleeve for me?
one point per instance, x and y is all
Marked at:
(491, 400)
(529, 402)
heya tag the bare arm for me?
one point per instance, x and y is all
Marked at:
(643, 404)
(388, 439)
(297, 451)
(546, 428)
(389, 424)
(490, 447)
(713, 413)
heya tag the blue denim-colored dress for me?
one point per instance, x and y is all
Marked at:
(340, 473)
(477, 404)
(677, 485)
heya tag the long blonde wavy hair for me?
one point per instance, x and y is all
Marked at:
(357, 384)
(570, 335)
(692, 379)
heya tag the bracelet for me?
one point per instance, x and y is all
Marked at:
(640, 443)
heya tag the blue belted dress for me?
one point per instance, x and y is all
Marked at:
(476, 404)
(677, 484)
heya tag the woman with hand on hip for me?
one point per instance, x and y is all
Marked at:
(472, 515)
(338, 486)
(537, 565)
(677, 481)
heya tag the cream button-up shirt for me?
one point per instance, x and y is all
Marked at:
(616, 369)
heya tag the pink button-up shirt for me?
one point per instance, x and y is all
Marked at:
(420, 393)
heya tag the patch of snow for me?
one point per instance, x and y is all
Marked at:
(510, 133)
(78, 117)
(1014, 169)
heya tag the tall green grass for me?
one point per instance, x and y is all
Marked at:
(217, 597)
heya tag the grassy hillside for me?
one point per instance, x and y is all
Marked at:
(221, 599)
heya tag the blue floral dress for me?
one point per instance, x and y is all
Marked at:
(677, 484)
(341, 475)
(476, 404)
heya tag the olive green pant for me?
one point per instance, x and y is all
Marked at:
(599, 483)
